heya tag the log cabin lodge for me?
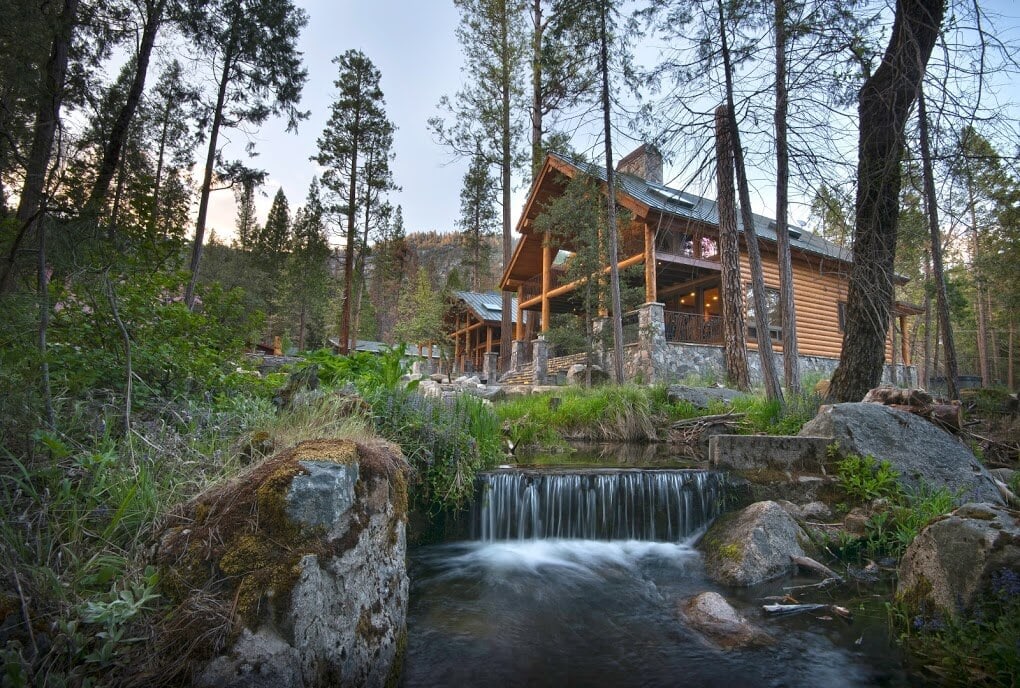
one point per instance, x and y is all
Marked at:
(673, 236)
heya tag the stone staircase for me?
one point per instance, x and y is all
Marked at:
(556, 366)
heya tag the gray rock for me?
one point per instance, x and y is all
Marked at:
(956, 559)
(323, 496)
(344, 621)
(712, 616)
(1003, 474)
(752, 545)
(257, 660)
(576, 376)
(809, 511)
(751, 452)
(916, 448)
(701, 397)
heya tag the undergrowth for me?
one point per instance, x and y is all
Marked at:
(981, 648)
(899, 514)
(635, 413)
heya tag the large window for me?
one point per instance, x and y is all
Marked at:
(775, 313)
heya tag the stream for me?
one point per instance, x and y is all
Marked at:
(571, 577)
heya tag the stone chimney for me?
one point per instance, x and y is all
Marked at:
(645, 162)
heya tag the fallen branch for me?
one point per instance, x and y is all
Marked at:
(791, 609)
(708, 420)
(817, 567)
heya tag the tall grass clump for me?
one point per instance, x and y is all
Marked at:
(611, 413)
(445, 441)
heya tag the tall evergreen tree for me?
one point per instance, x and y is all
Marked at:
(253, 46)
(274, 239)
(487, 111)
(355, 133)
(246, 223)
(478, 220)
(884, 104)
(307, 271)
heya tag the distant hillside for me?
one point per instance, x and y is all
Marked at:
(441, 253)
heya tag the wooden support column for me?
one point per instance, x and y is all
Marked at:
(547, 259)
(488, 340)
(456, 341)
(519, 334)
(904, 349)
(650, 289)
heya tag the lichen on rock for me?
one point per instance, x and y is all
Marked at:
(323, 521)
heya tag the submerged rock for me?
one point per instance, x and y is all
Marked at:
(307, 552)
(752, 545)
(954, 561)
(712, 616)
(921, 452)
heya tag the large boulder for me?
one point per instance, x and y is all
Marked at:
(921, 452)
(576, 374)
(712, 616)
(960, 558)
(307, 551)
(752, 545)
(702, 397)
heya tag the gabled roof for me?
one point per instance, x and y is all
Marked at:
(680, 204)
(487, 306)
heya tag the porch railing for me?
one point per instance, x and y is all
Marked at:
(533, 287)
(693, 328)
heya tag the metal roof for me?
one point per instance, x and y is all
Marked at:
(373, 347)
(682, 204)
(487, 305)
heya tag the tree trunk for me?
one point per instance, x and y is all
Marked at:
(506, 165)
(791, 355)
(47, 115)
(345, 308)
(536, 89)
(614, 267)
(160, 161)
(884, 104)
(926, 373)
(982, 317)
(119, 132)
(734, 330)
(42, 277)
(773, 390)
(210, 163)
(941, 300)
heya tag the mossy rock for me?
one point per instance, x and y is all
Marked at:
(237, 545)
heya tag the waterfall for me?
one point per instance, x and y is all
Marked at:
(664, 505)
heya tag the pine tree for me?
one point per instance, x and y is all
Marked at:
(307, 277)
(246, 223)
(253, 45)
(357, 131)
(478, 220)
(487, 110)
(274, 238)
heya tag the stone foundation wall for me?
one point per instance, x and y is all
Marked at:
(677, 362)
(654, 360)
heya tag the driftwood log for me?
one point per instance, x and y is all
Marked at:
(948, 416)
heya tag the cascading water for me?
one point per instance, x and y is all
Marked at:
(573, 578)
(661, 505)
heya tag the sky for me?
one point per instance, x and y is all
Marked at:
(413, 44)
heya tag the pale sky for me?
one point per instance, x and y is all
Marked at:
(413, 45)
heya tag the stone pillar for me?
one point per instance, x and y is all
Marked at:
(651, 341)
(489, 367)
(517, 355)
(599, 326)
(540, 356)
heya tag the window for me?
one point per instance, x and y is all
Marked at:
(841, 315)
(775, 313)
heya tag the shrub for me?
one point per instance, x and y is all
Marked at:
(446, 442)
(864, 478)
